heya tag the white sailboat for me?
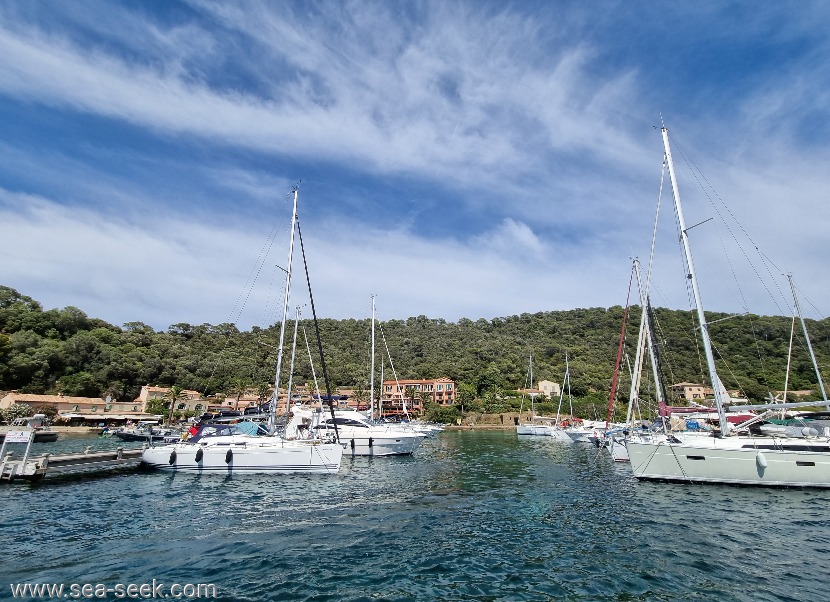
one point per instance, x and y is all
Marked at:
(539, 426)
(246, 448)
(359, 435)
(729, 457)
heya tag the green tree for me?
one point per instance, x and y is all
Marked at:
(442, 414)
(51, 412)
(465, 395)
(239, 387)
(81, 384)
(175, 395)
(14, 411)
(157, 407)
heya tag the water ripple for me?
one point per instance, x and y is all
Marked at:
(473, 516)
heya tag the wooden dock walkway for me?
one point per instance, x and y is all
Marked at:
(34, 469)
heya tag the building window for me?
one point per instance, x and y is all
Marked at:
(93, 409)
(108, 408)
(198, 407)
(182, 406)
(440, 387)
(449, 386)
(75, 408)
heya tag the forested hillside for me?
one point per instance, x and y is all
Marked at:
(65, 351)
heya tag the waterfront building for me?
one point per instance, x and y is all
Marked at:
(79, 410)
(416, 391)
(191, 401)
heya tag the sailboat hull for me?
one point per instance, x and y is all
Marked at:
(735, 461)
(618, 450)
(539, 430)
(561, 435)
(271, 458)
(384, 444)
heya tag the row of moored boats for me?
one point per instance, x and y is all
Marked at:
(732, 442)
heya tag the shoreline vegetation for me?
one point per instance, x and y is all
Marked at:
(64, 351)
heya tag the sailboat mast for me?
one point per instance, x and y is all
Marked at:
(636, 373)
(619, 357)
(372, 368)
(380, 397)
(568, 378)
(717, 387)
(291, 365)
(532, 396)
(809, 344)
(649, 339)
(272, 418)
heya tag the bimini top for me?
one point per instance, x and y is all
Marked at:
(251, 429)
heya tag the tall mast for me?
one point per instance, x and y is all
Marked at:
(372, 368)
(636, 373)
(380, 397)
(649, 339)
(568, 378)
(291, 365)
(619, 357)
(809, 344)
(272, 418)
(532, 396)
(717, 386)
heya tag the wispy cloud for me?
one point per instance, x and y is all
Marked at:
(477, 145)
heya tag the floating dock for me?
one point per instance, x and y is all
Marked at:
(34, 469)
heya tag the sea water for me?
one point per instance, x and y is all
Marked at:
(471, 516)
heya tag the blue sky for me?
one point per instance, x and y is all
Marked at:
(457, 159)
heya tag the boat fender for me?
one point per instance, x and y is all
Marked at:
(352, 444)
(229, 456)
(199, 454)
(172, 459)
(809, 432)
(371, 442)
(761, 460)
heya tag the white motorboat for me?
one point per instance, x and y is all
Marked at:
(148, 430)
(38, 424)
(358, 435)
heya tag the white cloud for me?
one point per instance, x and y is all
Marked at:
(538, 134)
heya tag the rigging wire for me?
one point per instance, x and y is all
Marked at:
(317, 330)
(686, 270)
(245, 294)
(697, 174)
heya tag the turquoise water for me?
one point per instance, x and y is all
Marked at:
(472, 516)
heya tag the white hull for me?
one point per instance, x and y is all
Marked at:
(379, 444)
(561, 436)
(580, 435)
(357, 435)
(539, 430)
(772, 462)
(618, 450)
(246, 457)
